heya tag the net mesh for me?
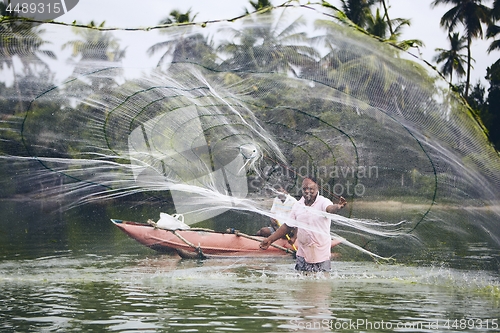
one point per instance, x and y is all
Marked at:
(217, 115)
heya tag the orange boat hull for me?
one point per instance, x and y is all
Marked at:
(210, 243)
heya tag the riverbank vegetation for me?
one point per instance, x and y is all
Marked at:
(253, 49)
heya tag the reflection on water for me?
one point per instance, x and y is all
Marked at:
(73, 271)
(162, 293)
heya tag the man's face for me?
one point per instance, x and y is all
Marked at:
(309, 190)
(281, 193)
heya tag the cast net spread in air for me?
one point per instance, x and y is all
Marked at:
(213, 117)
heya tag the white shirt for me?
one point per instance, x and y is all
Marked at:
(313, 234)
(283, 208)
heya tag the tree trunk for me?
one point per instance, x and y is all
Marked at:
(467, 82)
(20, 105)
(387, 18)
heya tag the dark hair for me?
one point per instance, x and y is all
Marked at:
(311, 177)
(278, 187)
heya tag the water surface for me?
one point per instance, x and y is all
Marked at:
(70, 271)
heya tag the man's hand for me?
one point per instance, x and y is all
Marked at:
(342, 202)
(265, 244)
(332, 209)
(275, 224)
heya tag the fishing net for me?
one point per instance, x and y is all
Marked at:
(213, 117)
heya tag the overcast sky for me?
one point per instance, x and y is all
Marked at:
(133, 13)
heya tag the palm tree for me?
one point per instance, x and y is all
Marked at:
(95, 45)
(259, 5)
(95, 48)
(386, 15)
(452, 58)
(183, 46)
(262, 46)
(390, 30)
(358, 11)
(376, 25)
(176, 16)
(471, 14)
(494, 29)
(495, 10)
(22, 40)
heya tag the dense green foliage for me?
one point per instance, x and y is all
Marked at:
(477, 21)
(257, 48)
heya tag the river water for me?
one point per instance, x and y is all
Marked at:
(73, 271)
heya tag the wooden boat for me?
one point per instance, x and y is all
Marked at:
(202, 243)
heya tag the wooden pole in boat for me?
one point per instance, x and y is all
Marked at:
(197, 248)
(238, 233)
